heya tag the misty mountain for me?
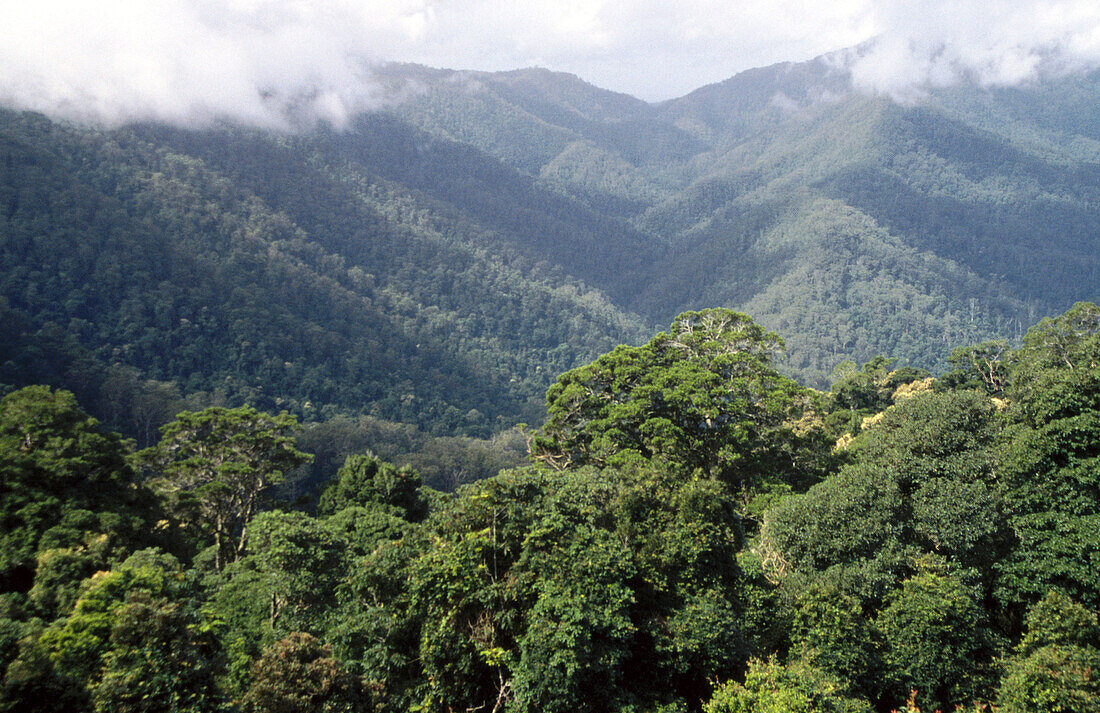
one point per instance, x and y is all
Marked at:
(961, 217)
(442, 260)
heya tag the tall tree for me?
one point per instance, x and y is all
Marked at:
(218, 462)
(704, 395)
(64, 483)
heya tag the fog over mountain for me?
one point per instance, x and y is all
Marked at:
(282, 63)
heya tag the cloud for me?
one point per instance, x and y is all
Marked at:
(922, 44)
(261, 62)
(279, 63)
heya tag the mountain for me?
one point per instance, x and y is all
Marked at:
(442, 258)
(852, 224)
(279, 270)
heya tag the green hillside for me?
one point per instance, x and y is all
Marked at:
(437, 261)
(269, 270)
(981, 202)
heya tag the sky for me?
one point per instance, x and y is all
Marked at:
(193, 62)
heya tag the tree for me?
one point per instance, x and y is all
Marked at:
(298, 675)
(773, 688)
(220, 461)
(1056, 666)
(938, 640)
(301, 561)
(703, 395)
(1049, 462)
(849, 527)
(830, 632)
(982, 366)
(164, 656)
(68, 500)
(367, 480)
(1056, 372)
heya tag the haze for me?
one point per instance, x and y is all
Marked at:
(275, 62)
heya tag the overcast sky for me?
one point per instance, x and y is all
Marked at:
(191, 61)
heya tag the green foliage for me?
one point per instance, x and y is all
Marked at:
(830, 633)
(324, 273)
(78, 643)
(770, 687)
(1049, 462)
(937, 640)
(1055, 665)
(365, 480)
(302, 561)
(135, 640)
(983, 367)
(849, 527)
(703, 395)
(923, 481)
(1054, 374)
(868, 389)
(1054, 678)
(1058, 620)
(69, 501)
(298, 675)
(578, 632)
(163, 656)
(677, 542)
(219, 462)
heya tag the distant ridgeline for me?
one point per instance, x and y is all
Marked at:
(438, 262)
(695, 532)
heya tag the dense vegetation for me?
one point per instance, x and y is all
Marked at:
(299, 281)
(695, 531)
(437, 262)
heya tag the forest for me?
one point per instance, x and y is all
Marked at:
(438, 262)
(387, 417)
(691, 530)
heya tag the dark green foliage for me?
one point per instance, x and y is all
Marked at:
(163, 657)
(868, 390)
(217, 464)
(364, 480)
(770, 687)
(1056, 665)
(937, 640)
(32, 685)
(983, 367)
(136, 640)
(1050, 460)
(923, 482)
(703, 395)
(576, 643)
(1054, 678)
(1053, 373)
(602, 589)
(323, 274)
(830, 633)
(933, 436)
(298, 675)
(661, 555)
(67, 488)
(301, 562)
(848, 527)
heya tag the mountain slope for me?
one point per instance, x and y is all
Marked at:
(314, 287)
(442, 260)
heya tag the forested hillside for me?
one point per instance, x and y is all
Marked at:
(291, 272)
(695, 532)
(439, 259)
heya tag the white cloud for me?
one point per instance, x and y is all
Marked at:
(933, 43)
(269, 62)
(196, 61)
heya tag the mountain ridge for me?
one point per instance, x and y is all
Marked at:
(497, 228)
